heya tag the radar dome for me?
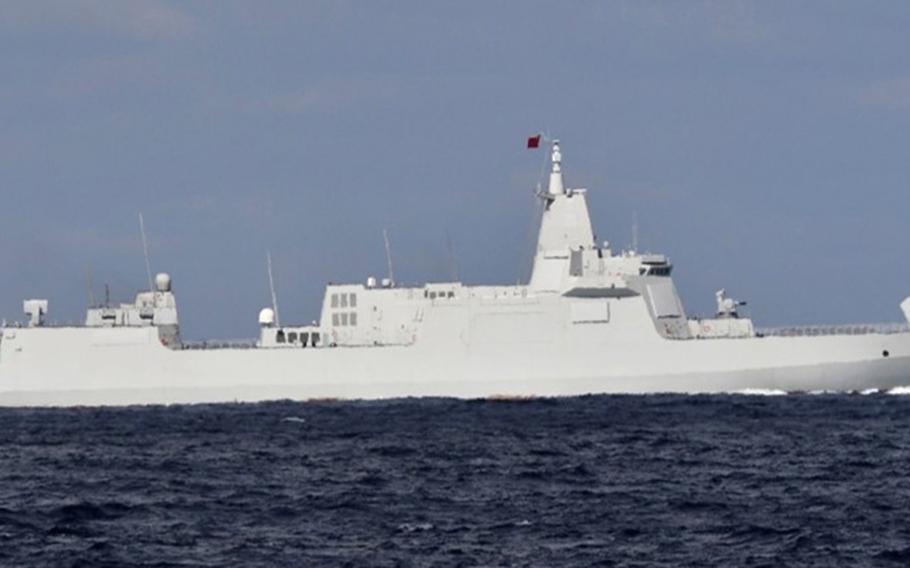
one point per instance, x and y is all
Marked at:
(267, 317)
(163, 282)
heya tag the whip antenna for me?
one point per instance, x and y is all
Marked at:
(145, 250)
(90, 286)
(388, 256)
(268, 257)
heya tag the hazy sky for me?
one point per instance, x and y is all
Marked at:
(764, 146)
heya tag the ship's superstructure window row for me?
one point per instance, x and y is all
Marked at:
(344, 300)
(655, 270)
(343, 319)
(296, 338)
(433, 294)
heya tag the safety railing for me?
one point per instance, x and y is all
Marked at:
(220, 344)
(840, 329)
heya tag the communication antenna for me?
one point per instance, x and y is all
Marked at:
(90, 285)
(268, 257)
(635, 231)
(145, 250)
(388, 255)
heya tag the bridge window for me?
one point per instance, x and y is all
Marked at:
(279, 337)
(334, 300)
(655, 270)
(353, 300)
(353, 319)
(314, 339)
(335, 320)
(432, 295)
(304, 339)
(344, 300)
(292, 337)
(344, 318)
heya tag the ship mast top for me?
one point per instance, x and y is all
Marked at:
(556, 186)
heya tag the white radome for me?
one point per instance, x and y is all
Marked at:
(267, 317)
(163, 282)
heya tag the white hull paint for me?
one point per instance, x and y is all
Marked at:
(588, 321)
(68, 370)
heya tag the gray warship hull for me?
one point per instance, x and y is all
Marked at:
(589, 320)
(35, 370)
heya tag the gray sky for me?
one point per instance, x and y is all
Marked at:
(764, 147)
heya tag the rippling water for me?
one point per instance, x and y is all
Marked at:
(608, 480)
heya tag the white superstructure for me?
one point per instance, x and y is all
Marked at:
(588, 321)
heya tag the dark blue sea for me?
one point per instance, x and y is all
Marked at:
(797, 480)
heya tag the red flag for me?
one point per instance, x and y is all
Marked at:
(534, 141)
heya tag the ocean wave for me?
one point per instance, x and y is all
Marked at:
(563, 481)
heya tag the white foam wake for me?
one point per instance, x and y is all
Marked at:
(761, 392)
(900, 390)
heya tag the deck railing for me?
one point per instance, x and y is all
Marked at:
(220, 344)
(839, 329)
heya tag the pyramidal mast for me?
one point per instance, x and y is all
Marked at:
(564, 227)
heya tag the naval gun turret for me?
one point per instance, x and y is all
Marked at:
(727, 307)
(726, 323)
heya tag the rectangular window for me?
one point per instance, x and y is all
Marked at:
(344, 318)
(353, 301)
(451, 294)
(334, 300)
(575, 266)
(344, 300)
(335, 320)
(292, 337)
(304, 338)
(314, 339)
(353, 319)
(432, 295)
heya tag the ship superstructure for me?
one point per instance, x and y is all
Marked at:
(589, 320)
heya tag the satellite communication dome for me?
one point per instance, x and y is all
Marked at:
(163, 282)
(267, 317)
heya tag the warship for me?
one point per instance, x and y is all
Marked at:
(589, 320)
